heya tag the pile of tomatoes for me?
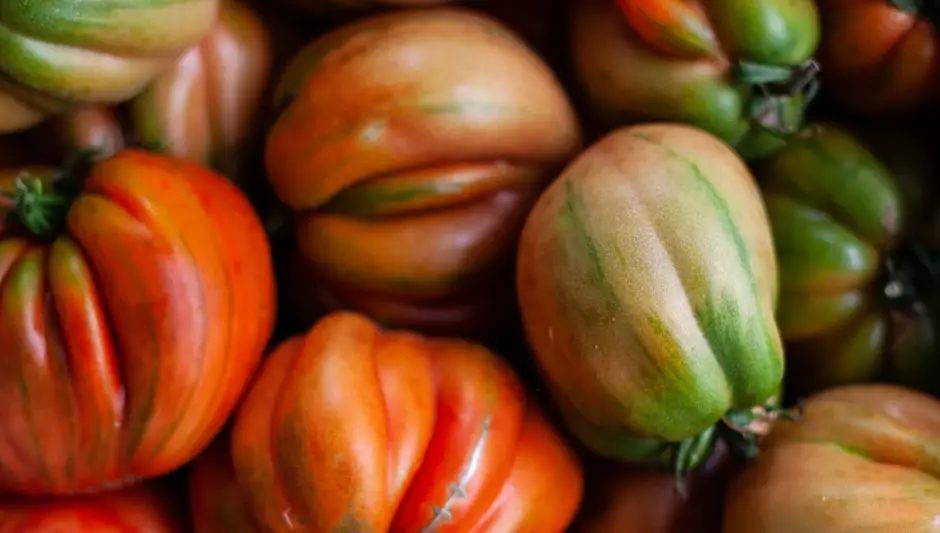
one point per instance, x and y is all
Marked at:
(514, 266)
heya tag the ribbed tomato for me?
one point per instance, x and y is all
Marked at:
(411, 146)
(863, 458)
(858, 279)
(58, 54)
(351, 428)
(140, 509)
(647, 283)
(134, 308)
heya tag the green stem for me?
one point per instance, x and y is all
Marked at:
(41, 212)
(740, 430)
(780, 93)
(41, 205)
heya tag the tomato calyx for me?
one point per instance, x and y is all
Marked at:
(740, 430)
(41, 206)
(781, 94)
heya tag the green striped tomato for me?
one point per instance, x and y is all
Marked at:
(647, 283)
(58, 53)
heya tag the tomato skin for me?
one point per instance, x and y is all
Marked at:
(674, 60)
(129, 337)
(863, 458)
(629, 268)
(140, 509)
(443, 436)
(410, 185)
(878, 59)
(70, 53)
(843, 203)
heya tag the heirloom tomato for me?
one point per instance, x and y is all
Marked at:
(351, 428)
(740, 69)
(139, 509)
(858, 286)
(647, 284)
(135, 305)
(862, 458)
(217, 502)
(411, 146)
(205, 107)
(880, 56)
(58, 54)
(641, 500)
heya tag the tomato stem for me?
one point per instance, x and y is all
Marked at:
(41, 212)
(41, 205)
(781, 93)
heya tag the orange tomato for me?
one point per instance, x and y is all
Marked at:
(354, 428)
(411, 147)
(130, 323)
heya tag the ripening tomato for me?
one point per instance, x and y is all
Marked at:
(410, 148)
(863, 458)
(351, 428)
(135, 305)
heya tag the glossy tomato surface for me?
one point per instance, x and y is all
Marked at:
(128, 333)
(352, 427)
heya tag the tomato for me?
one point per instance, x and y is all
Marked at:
(740, 69)
(205, 107)
(641, 500)
(134, 308)
(880, 56)
(410, 185)
(58, 54)
(857, 290)
(352, 427)
(140, 509)
(647, 283)
(863, 458)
